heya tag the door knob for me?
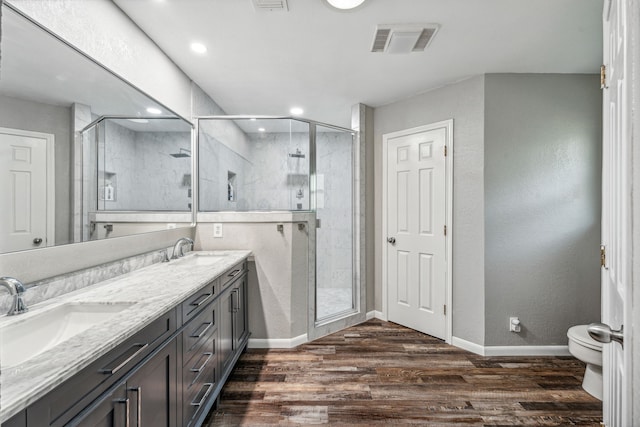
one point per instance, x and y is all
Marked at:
(604, 334)
(37, 241)
(392, 240)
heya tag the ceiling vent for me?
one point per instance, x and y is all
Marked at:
(403, 38)
(270, 5)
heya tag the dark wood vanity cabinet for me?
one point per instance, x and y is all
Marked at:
(233, 321)
(148, 396)
(167, 375)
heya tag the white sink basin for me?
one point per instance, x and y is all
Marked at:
(22, 339)
(200, 258)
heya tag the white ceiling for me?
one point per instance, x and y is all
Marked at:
(319, 58)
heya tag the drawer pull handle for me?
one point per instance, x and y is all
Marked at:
(201, 300)
(140, 348)
(204, 364)
(205, 395)
(234, 273)
(204, 328)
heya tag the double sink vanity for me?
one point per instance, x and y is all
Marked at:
(152, 347)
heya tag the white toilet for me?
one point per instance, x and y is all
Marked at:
(588, 350)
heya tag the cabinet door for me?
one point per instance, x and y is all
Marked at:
(239, 313)
(225, 347)
(152, 390)
(109, 411)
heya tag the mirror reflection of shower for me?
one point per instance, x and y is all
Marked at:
(298, 155)
(183, 152)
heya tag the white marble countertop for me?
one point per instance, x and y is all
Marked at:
(152, 290)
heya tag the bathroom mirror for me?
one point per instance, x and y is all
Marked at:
(54, 189)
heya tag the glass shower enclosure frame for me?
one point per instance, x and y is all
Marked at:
(324, 188)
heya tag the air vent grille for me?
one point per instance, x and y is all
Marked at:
(271, 5)
(423, 41)
(380, 40)
(403, 38)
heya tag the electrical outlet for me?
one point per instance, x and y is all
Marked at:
(217, 230)
(514, 324)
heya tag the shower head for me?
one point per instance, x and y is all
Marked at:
(182, 153)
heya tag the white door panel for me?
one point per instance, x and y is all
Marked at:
(616, 225)
(416, 216)
(24, 187)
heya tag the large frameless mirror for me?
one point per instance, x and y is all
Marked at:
(49, 94)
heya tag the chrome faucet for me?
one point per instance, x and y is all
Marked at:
(16, 289)
(178, 249)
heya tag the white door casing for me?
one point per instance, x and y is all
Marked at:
(27, 186)
(616, 215)
(416, 209)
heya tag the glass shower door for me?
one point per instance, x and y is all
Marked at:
(335, 285)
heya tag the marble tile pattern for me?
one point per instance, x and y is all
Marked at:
(43, 290)
(153, 290)
(147, 177)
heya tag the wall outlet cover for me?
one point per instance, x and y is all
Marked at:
(217, 230)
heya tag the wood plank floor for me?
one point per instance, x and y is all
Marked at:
(380, 373)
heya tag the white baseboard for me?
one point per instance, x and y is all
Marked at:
(527, 350)
(467, 345)
(511, 350)
(277, 342)
(374, 314)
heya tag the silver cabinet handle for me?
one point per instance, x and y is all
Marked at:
(234, 273)
(201, 300)
(111, 371)
(604, 334)
(204, 327)
(126, 410)
(138, 391)
(198, 370)
(204, 397)
(392, 240)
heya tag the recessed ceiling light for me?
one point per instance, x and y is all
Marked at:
(261, 129)
(345, 4)
(198, 47)
(154, 110)
(253, 119)
(139, 120)
(296, 111)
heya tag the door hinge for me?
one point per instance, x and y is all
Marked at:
(603, 256)
(603, 77)
(445, 309)
(445, 151)
(445, 230)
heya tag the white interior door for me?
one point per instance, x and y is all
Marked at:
(616, 218)
(26, 186)
(416, 215)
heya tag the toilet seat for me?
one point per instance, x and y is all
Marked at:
(580, 335)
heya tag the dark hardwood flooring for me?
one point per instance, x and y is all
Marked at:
(380, 373)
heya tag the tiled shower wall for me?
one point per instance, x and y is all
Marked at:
(145, 175)
(334, 238)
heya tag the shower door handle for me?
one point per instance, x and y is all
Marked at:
(391, 240)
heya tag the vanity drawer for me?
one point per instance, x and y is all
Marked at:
(198, 394)
(199, 333)
(195, 303)
(199, 379)
(63, 403)
(233, 273)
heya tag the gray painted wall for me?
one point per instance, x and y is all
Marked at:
(38, 117)
(462, 102)
(542, 205)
